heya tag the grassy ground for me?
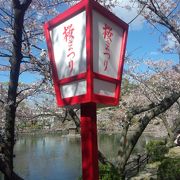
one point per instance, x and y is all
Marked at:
(174, 152)
(150, 171)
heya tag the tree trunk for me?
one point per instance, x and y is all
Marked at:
(170, 142)
(10, 109)
(75, 118)
(19, 10)
(122, 146)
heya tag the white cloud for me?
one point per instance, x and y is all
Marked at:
(170, 44)
(154, 53)
(128, 14)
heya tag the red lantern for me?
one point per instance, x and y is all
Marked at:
(86, 46)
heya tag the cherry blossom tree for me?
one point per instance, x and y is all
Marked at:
(155, 96)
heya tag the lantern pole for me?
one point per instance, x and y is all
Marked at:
(89, 142)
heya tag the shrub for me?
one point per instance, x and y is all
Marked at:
(169, 169)
(107, 172)
(156, 150)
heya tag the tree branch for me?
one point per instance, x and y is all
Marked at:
(23, 91)
(177, 5)
(2, 101)
(137, 14)
(26, 4)
(142, 82)
(35, 90)
(5, 12)
(163, 19)
(104, 160)
(165, 104)
(138, 110)
(16, 4)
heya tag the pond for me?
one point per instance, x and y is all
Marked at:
(57, 157)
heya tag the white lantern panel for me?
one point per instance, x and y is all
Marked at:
(69, 46)
(107, 38)
(104, 88)
(73, 89)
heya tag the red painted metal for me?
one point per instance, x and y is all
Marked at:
(89, 142)
(89, 49)
(74, 10)
(121, 64)
(72, 79)
(106, 78)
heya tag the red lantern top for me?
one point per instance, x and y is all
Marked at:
(86, 46)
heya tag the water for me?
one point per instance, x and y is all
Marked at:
(56, 157)
(49, 157)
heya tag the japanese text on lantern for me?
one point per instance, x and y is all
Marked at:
(69, 38)
(107, 35)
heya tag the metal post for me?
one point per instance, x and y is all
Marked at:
(89, 142)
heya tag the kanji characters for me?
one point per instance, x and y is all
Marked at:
(68, 33)
(107, 32)
(107, 35)
(69, 38)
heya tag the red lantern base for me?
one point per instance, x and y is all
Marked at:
(89, 142)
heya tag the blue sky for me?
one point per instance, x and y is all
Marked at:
(143, 39)
(143, 42)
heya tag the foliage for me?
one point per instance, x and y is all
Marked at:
(156, 150)
(169, 169)
(107, 172)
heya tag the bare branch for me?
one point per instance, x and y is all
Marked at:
(35, 90)
(5, 12)
(1, 101)
(177, 5)
(137, 15)
(163, 19)
(142, 82)
(23, 91)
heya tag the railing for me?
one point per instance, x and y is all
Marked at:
(133, 167)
